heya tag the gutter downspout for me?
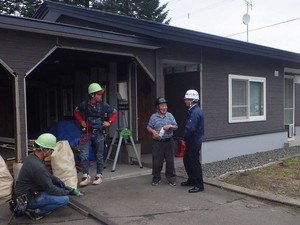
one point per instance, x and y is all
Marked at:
(201, 91)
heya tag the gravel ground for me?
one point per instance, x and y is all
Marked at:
(218, 168)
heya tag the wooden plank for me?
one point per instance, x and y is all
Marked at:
(89, 212)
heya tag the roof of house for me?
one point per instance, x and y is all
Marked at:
(52, 11)
(72, 31)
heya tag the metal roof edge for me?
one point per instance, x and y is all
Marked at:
(167, 32)
(71, 31)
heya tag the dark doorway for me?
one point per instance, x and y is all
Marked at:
(176, 84)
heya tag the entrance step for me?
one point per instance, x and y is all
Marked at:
(294, 141)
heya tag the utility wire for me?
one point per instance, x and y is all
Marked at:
(260, 28)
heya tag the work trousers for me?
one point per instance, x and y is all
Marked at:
(97, 141)
(192, 165)
(163, 151)
(45, 203)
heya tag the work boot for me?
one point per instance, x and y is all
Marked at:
(85, 180)
(97, 179)
(33, 215)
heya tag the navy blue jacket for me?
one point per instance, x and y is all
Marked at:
(194, 128)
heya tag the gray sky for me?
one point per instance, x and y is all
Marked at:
(279, 20)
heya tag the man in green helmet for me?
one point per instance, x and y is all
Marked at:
(44, 191)
(93, 115)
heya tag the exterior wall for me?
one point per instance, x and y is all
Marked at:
(222, 139)
(174, 85)
(297, 130)
(216, 67)
(228, 148)
(22, 50)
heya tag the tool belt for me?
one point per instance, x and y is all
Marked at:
(96, 131)
(18, 205)
(92, 131)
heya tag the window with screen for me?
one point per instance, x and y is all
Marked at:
(247, 98)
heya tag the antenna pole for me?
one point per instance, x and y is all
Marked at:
(248, 3)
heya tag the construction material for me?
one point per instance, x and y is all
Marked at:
(89, 212)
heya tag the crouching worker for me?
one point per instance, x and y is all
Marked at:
(44, 191)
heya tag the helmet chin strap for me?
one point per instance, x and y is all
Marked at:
(45, 153)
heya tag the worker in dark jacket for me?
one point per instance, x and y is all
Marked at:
(91, 114)
(44, 191)
(193, 135)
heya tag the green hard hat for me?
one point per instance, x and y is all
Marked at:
(94, 87)
(46, 140)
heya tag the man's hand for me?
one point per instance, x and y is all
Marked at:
(75, 192)
(83, 124)
(106, 124)
(58, 182)
(167, 127)
(155, 134)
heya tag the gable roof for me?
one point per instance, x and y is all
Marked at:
(71, 31)
(53, 11)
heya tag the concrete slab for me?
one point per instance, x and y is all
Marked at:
(127, 197)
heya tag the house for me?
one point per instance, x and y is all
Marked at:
(250, 94)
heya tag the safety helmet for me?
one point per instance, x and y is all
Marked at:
(160, 100)
(94, 87)
(192, 94)
(46, 140)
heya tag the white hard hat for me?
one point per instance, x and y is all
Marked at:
(192, 94)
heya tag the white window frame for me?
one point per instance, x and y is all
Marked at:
(249, 79)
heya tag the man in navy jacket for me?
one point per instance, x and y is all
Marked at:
(193, 135)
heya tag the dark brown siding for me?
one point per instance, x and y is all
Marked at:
(22, 50)
(216, 67)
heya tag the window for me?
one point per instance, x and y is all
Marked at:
(247, 98)
(288, 100)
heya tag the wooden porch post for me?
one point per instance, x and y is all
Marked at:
(20, 119)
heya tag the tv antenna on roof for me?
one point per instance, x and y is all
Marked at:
(246, 17)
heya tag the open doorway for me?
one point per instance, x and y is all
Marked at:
(7, 112)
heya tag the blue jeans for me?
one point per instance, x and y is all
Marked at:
(98, 143)
(46, 203)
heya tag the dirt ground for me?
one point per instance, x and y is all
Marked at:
(280, 178)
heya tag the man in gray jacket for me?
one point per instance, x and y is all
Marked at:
(44, 191)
